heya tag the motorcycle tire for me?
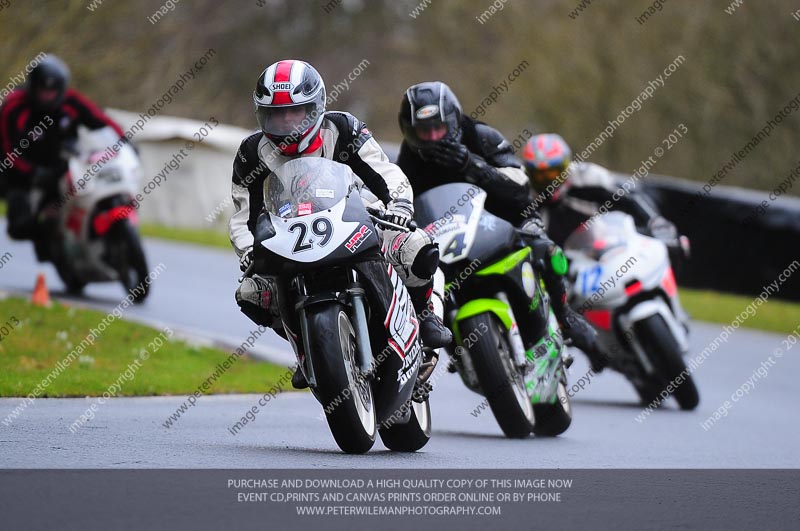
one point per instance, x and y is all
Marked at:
(346, 398)
(412, 435)
(501, 383)
(130, 260)
(553, 419)
(664, 352)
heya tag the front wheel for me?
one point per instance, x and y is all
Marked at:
(128, 258)
(501, 382)
(345, 395)
(664, 352)
(412, 435)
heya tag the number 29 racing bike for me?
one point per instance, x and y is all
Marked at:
(344, 309)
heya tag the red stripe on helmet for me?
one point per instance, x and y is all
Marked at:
(281, 98)
(283, 73)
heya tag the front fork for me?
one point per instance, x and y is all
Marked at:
(358, 305)
(514, 337)
(358, 317)
(300, 285)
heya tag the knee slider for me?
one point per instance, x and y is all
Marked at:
(426, 261)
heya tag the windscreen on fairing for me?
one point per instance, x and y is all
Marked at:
(305, 186)
(454, 216)
(601, 233)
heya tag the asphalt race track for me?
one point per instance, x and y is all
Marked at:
(194, 295)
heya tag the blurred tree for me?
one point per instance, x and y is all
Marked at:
(740, 69)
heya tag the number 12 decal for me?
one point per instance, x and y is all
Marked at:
(591, 279)
(321, 227)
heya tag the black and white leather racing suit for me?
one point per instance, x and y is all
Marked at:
(347, 140)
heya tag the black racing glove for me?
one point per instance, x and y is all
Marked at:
(246, 259)
(45, 177)
(399, 211)
(448, 154)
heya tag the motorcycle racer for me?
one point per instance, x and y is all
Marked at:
(582, 188)
(442, 145)
(290, 107)
(37, 122)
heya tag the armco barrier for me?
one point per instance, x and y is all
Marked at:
(728, 253)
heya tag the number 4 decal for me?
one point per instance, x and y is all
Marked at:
(456, 246)
(321, 227)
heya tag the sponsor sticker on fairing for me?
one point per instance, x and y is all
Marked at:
(324, 192)
(285, 209)
(358, 238)
(304, 209)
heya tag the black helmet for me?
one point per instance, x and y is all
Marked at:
(427, 106)
(47, 82)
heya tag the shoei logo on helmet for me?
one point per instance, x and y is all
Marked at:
(281, 86)
(427, 112)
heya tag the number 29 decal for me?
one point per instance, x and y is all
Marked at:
(320, 227)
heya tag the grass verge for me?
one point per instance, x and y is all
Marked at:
(210, 238)
(35, 339)
(722, 308)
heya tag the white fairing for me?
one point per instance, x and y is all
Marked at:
(642, 311)
(600, 281)
(606, 258)
(103, 167)
(297, 239)
(402, 327)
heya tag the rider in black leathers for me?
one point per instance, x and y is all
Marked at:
(441, 145)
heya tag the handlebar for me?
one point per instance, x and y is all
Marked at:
(377, 216)
(247, 272)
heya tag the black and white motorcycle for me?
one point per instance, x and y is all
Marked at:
(344, 309)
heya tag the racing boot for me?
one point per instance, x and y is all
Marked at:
(432, 331)
(583, 336)
(256, 298)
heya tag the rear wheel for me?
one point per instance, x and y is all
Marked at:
(501, 382)
(664, 352)
(553, 419)
(412, 435)
(345, 395)
(50, 244)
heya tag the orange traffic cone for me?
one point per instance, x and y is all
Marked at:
(40, 297)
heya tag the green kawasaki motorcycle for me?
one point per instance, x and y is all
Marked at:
(509, 345)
